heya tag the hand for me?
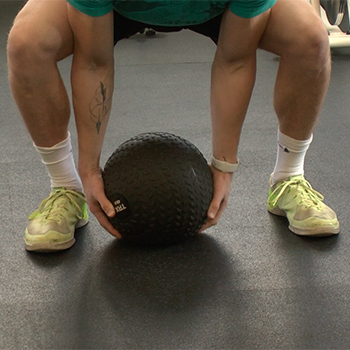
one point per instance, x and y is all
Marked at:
(98, 203)
(222, 188)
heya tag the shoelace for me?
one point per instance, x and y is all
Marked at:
(57, 199)
(307, 193)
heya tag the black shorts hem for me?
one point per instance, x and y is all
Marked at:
(125, 28)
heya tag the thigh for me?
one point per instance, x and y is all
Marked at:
(44, 25)
(239, 37)
(292, 26)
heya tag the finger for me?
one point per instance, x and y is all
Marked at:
(208, 224)
(104, 222)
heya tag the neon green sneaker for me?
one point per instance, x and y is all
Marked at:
(52, 225)
(303, 207)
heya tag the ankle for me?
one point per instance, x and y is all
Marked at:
(59, 163)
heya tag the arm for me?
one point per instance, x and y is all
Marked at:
(232, 82)
(92, 84)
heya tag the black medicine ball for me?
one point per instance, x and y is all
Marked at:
(161, 187)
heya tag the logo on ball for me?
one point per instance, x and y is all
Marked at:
(118, 206)
(121, 206)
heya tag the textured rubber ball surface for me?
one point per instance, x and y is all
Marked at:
(161, 187)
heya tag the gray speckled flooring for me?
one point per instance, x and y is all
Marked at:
(248, 283)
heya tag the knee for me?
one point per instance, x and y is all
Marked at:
(309, 47)
(314, 47)
(298, 35)
(28, 46)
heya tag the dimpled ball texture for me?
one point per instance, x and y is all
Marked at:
(161, 187)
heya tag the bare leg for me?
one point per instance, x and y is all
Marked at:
(296, 33)
(39, 38)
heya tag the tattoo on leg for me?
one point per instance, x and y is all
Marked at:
(100, 105)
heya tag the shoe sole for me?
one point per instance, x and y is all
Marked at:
(321, 231)
(48, 247)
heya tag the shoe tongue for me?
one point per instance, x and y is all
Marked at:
(297, 177)
(58, 189)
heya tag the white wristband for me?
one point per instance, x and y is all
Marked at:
(223, 166)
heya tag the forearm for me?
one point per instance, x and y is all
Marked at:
(231, 88)
(92, 99)
(92, 83)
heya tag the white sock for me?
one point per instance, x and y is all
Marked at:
(290, 157)
(60, 166)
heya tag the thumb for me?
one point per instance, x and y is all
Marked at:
(107, 206)
(214, 208)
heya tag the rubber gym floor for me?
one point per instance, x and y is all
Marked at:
(248, 283)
